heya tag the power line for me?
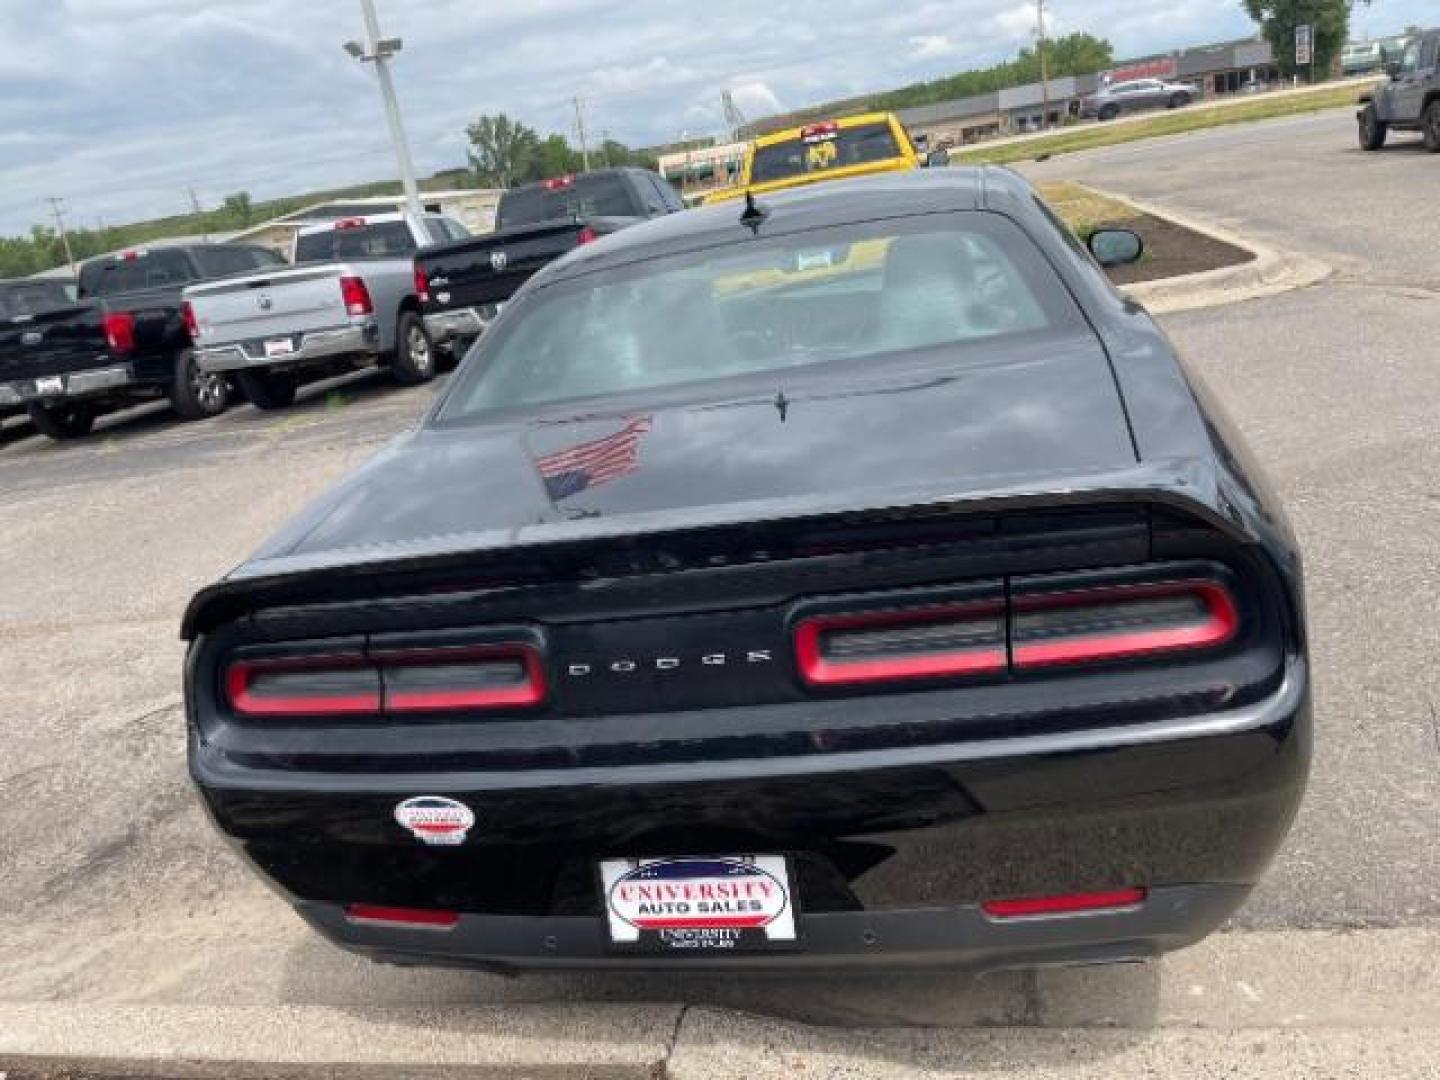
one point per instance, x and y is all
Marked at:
(580, 130)
(57, 210)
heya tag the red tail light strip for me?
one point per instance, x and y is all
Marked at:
(818, 669)
(243, 675)
(448, 670)
(1218, 625)
(1070, 904)
(402, 683)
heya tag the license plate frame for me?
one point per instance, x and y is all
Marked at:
(276, 348)
(700, 906)
(50, 386)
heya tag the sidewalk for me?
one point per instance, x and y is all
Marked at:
(1284, 1004)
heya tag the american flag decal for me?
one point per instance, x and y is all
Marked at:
(591, 464)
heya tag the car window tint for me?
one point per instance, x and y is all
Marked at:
(223, 260)
(794, 302)
(137, 273)
(386, 241)
(823, 152)
(21, 300)
(264, 258)
(592, 195)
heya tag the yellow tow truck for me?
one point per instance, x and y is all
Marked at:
(832, 150)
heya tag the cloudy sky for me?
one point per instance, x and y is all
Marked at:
(120, 106)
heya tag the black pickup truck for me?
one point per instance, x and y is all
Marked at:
(20, 302)
(461, 284)
(124, 340)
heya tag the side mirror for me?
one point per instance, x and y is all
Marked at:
(938, 159)
(1392, 68)
(1115, 247)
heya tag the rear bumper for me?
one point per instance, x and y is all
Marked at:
(356, 339)
(447, 326)
(80, 384)
(894, 850)
(958, 938)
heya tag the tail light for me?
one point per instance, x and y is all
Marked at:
(1091, 625)
(120, 332)
(1068, 904)
(422, 284)
(498, 677)
(444, 680)
(401, 918)
(588, 236)
(346, 224)
(892, 646)
(1035, 629)
(356, 296)
(559, 183)
(304, 686)
(192, 326)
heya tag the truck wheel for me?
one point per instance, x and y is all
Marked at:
(71, 420)
(195, 394)
(1432, 127)
(1109, 112)
(414, 361)
(268, 390)
(1372, 129)
(1179, 101)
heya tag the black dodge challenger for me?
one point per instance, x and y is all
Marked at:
(853, 578)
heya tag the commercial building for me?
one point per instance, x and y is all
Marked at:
(1212, 70)
(697, 171)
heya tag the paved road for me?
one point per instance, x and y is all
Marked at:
(113, 887)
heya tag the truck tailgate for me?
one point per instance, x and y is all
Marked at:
(52, 343)
(265, 306)
(491, 269)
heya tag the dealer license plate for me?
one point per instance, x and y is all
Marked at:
(700, 905)
(279, 347)
(49, 386)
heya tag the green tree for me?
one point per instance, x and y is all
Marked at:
(502, 151)
(238, 210)
(553, 157)
(1279, 18)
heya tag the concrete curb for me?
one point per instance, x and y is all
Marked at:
(1283, 1003)
(1269, 273)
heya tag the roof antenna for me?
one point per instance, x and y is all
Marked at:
(755, 214)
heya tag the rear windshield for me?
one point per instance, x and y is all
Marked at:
(586, 196)
(17, 301)
(790, 304)
(823, 151)
(388, 241)
(137, 273)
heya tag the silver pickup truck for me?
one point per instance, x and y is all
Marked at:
(348, 302)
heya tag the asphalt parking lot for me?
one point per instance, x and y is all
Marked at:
(113, 887)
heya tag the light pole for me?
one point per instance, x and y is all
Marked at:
(1044, 65)
(380, 51)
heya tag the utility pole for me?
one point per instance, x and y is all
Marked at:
(199, 210)
(1044, 64)
(57, 211)
(580, 129)
(380, 51)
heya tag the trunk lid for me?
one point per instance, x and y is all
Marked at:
(1045, 412)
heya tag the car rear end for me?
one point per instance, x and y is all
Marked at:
(1056, 729)
(56, 352)
(322, 310)
(463, 285)
(869, 145)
